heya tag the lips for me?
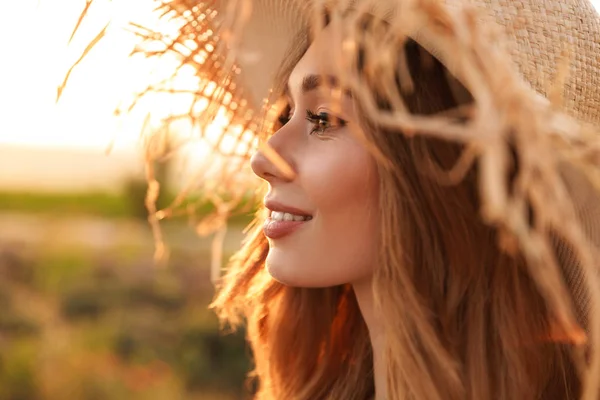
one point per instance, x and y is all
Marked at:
(279, 229)
(283, 220)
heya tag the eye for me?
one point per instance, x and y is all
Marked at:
(322, 122)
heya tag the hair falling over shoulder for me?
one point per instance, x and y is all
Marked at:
(306, 343)
(463, 318)
(476, 329)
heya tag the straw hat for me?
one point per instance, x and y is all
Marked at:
(539, 35)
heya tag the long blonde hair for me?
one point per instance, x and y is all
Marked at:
(463, 319)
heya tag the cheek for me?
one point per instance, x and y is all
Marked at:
(343, 187)
(339, 180)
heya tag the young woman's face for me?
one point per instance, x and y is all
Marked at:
(322, 227)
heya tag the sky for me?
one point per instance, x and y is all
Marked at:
(46, 145)
(34, 36)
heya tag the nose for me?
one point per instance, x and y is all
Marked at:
(273, 160)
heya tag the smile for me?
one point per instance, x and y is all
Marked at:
(282, 223)
(284, 216)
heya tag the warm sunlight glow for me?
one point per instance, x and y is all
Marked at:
(62, 146)
(35, 62)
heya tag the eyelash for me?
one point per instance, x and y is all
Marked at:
(316, 120)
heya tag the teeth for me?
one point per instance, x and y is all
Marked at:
(283, 216)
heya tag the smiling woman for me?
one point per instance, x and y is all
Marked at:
(335, 185)
(431, 213)
(385, 259)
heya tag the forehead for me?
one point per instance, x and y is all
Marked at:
(321, 58)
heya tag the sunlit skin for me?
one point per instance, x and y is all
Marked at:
(335, 182)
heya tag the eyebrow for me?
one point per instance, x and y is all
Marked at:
(313, 82)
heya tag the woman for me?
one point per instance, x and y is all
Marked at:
(432, 222)
(372, 278)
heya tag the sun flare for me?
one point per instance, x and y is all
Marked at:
(84, 117)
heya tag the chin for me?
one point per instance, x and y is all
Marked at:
(286, 275)
(292, 273)
(298, 275)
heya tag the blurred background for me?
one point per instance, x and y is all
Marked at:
(85, 312)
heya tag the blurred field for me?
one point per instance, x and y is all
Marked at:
(86, 314)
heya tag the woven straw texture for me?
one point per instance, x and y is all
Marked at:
(540, 33)
(540, 37)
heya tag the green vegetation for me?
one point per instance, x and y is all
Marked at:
(128, 204)
(82, 324)
(87, 314)
(98, 204)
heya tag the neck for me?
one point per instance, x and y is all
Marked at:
(364, 296)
